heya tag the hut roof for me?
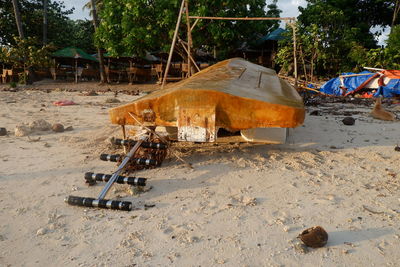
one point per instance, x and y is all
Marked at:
(73, 52)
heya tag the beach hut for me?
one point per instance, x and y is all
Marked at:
(70, 60)
(261, 50)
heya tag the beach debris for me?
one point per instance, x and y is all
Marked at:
(90, 93)
(249, 201)
(314, 237)
(378, 112)
(64, 103)
(39, 125)
(300, 248)
(41, 231)
(315, 113)
(348, 121)
(148, 206)
(372, 211)
(143, 153)
(3, 131)
(112, 100)
(397, 148)
(57, 127)
(22, 130)
(33, 139)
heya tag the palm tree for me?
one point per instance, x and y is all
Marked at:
(88, 5)
(99, 51)
(44, 22)
(18, 19)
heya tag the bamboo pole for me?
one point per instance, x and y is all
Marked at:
(194, 62)
(294, 53)
(189, 37)
(194, 24)
(238, 18)
(171, 51)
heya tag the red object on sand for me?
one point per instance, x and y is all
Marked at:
(64, 103)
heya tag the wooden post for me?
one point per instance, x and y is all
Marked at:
(171, 51)
(190, 57)
(76, 70)
(293, 24)
(189, 36)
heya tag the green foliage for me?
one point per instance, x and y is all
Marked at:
(62, 31)
(334, 36)
(26, 54)
(13, 84)
(136, 26)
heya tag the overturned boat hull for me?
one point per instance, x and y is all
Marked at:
(233, 94)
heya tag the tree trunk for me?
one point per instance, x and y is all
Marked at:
(22, 37)
(99, 51)
(395, 12)
(18, 19)
(45, 22)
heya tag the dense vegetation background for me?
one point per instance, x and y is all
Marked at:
(333, 35)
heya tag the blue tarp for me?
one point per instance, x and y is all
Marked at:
(332, 87)
(391, 89)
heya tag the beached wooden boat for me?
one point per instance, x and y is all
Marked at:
(233, 94)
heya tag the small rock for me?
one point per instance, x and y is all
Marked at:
(113, 100)
(314, 237)
(249, 201)
(397, 148)
(314, 113)
(3, 131)
(22, 130)
(41, 231)
(91, 93)
(57, 127)
(69, 128)
(40, 125)
(348, 121)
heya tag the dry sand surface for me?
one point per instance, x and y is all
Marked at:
(240, 204)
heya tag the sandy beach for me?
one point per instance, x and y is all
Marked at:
(239, 205)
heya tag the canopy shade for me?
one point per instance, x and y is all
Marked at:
(274, 36)
(73, 52)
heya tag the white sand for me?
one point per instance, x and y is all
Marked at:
(241, 205)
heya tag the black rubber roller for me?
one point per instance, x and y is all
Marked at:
(126, 142)
(91, 178)
(109, 157)
(138, 161)
(98, 203)
(142, 161)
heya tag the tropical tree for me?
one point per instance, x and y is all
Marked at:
(99, 50)
(44, 22)
(137, 26)
(59, 26)
(333, 34)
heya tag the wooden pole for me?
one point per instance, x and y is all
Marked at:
(190, 57)
(189, 36)
(171, 51)
(194, 24)
(293, 24)
(76, 70)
